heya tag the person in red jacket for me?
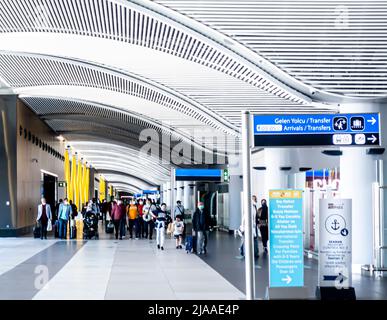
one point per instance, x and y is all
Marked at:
(119, 218)
(140, 221)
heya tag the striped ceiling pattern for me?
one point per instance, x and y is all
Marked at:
(200, 62)
(338, 46)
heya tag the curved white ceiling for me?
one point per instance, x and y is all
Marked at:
(223, 97)
(186, 68)
(133, 181)
(107, 157)
(335, 46)
(140, 23)
(29, 73)
(62, 114)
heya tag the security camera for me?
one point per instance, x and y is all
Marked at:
(35, 160)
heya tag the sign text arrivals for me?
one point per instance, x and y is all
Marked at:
(305, 128)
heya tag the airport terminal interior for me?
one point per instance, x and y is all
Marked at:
(190, 150)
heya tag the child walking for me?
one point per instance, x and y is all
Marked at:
(178, 232)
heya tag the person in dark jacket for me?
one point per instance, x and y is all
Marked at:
(104, 210)
(74, 210)
(263, 223)
(119, 218)
(55, 215)
(201, 223)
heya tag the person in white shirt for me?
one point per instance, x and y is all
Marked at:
(178, 229)
(148, 218)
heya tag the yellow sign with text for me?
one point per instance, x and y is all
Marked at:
(289, 194)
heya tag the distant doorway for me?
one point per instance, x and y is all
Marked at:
(50, 189)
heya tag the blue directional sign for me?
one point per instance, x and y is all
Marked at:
(198, 174)
(317, 129)
(149, 192)
(286, 267)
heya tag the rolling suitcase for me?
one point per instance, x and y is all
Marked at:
(189, 244)
(73, 232)
(37, 231)
(194, 243)
(55, 228)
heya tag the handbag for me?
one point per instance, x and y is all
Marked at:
(49, 225)
(147, 216)
(170, 228)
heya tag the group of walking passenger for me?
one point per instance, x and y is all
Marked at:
(135, 216)
(59, 220)
(139, 217)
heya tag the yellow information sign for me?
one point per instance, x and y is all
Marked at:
(278, 194)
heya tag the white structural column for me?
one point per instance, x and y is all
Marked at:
(167, 193)
(179, 191)
(194, 197)
(172, 199)
(164, 188)
(357, 173)
(187, 203)
(275, 178)
(235, 188)
(161, 193)
(247, 212)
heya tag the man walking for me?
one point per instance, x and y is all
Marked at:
(201, 224)
(64, 214)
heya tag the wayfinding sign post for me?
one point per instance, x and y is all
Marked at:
(296, 130)
(286, 254)
(286, 257)
(335, 249)
(317, 130)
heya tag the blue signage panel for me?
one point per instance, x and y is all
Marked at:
(198, 174)
(317, 129)
(286, 268)
(150, 191)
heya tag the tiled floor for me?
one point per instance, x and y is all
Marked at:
(25, 279)
(108, 269)
(137, 270)
(223, 256)
(24, 247)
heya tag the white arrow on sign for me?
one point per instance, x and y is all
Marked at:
(288, 279)
(372, 139)
(373, 120)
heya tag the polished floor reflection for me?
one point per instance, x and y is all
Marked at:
(225, 259)
(136, 269)
(108, 269)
